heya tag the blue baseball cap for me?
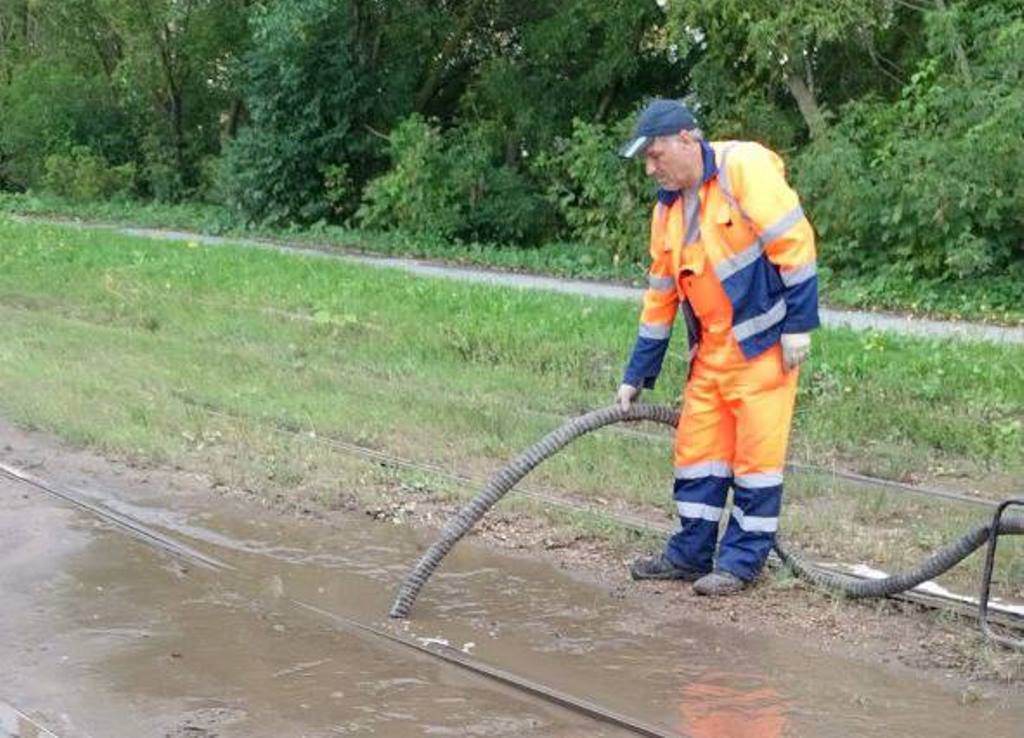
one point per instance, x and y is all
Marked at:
(660, 118)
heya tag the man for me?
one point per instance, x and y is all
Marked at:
(732, 251)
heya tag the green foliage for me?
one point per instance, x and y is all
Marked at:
(49, 108)
(82, 175)
(769, 46)
(928, 186)
(453, 187)
(339, 190)
(573, 59)
(505, 207)
(603, 199)
(496, 121)
(306, 92)
(133, 81)
(738, 109)
(416, 193)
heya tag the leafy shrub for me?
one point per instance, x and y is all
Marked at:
(306, 97)
(162, 176)
(46, 109)
(501, 202)
(451, 187)
(507, 208)
(929, 186)
(416, 194)
(603, 199)
(84, 176)
(339, 190)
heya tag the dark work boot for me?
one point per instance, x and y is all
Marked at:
(659, 567)
(719, 583)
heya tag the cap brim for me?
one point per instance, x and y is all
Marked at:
(634, 147)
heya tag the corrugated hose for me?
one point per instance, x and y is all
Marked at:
(510, 475)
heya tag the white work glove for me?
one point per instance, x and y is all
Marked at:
(626, 394)
(795, 348)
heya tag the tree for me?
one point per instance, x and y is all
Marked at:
(771, 44)
(309, 94)
(171, 77)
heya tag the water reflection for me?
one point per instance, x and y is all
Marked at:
(732, 705)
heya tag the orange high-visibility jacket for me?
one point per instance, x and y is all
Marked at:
(746, 222)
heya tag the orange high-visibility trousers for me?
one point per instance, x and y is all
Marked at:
(733, 431)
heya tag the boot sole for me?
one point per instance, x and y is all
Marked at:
(666, 576)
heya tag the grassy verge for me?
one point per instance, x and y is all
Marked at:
(559, 259)
(995, 300)
(126, 345)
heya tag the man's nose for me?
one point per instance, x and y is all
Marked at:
(649, 166)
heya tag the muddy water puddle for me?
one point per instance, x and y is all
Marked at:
(104, 635)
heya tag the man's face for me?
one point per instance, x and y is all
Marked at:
(674, 161)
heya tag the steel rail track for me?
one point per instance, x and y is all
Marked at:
(129, 525)
(39, 730)
(280, 426)
(862, 479)
(446, 655)
(458, 658)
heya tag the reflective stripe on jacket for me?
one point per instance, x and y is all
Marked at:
(748, 223)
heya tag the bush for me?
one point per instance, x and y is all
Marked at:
(47, 108)
(454, 186)
(506, 208)
(603, 199)
(307, 97)
(163, 178)
(83, 176)
(930, 186)
(417, 193)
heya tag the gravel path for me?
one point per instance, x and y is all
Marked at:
(855, 319)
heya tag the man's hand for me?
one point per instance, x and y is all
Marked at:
(626, 394)
(795, 348)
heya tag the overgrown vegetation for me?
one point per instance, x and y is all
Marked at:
(494, 122)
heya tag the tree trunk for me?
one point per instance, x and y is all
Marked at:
(435, 72)
(806, 102)
(606, 100)
(173, 100)
(235, 117)
(170, 97)
(14, 37)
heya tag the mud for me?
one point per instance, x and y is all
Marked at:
(102, 634)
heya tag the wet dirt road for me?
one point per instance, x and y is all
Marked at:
(102, 634)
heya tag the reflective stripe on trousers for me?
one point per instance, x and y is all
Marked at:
(733, 432)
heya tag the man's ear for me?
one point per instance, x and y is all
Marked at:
(686, 137)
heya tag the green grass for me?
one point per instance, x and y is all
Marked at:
(123, 344)
(560, 259)
(995, 300)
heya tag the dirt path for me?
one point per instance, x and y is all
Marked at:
(854, 319)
